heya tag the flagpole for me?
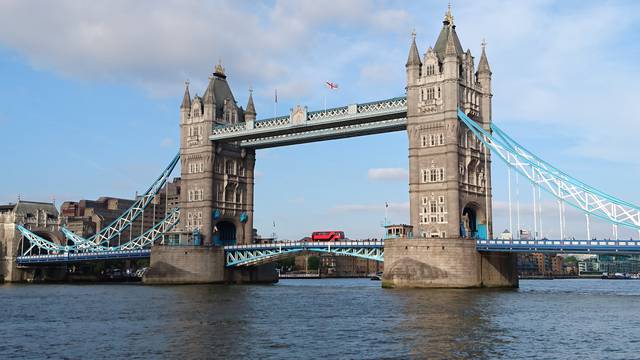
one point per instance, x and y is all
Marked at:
(386, 208)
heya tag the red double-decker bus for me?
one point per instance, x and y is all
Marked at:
(327, 235)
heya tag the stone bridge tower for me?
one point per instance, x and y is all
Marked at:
(449, 172)
(450, 193)
(216, 199)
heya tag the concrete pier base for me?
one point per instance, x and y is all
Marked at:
(445, 263)
(201, 265)
(38, 274)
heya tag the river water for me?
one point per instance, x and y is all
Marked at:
(328, 319)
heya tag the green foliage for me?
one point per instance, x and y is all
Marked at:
(570, 260)
(314, 262)
(286, 262)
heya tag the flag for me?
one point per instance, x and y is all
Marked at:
(276, 95)
(331, 85)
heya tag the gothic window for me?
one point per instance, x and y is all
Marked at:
(438, 92)
(432, 140)
(218, 166)
(433, 175)
(433, 207)
(441, 174)
(441, 139)
(434, 218)
(431, 70)
(425, 175)
(430, 93)
(441, 199)
(424, 140)
(424, 200)
(201, 165)
(229, 167)
(220, 193)
(239, 196)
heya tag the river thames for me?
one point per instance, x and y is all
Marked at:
(328, 318)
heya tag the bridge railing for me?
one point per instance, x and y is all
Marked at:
(305, 244)
(397, 104)
(75, 257)
(610, 243)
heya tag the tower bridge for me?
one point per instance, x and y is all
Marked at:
(447, 114)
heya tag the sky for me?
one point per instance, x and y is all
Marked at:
(90, 95)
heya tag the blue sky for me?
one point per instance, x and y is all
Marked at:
(90, 93)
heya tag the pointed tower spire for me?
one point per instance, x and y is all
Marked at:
(451, 48)
(251, 109)
(209, 96)
(186, 100)
(414, 56)
(483, 65)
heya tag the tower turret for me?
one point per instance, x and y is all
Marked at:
(451, 69)
(413, 61)
(209, 99)
(250, 113)
(484, 78)
(185, 107)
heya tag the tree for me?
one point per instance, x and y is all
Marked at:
(570, 260)
(314, 262)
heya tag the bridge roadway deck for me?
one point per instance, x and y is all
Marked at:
(630, 247)
(83, 256)
(244, 255)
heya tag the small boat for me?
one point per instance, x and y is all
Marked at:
(376, 277)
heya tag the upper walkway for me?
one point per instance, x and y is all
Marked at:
(302, 126)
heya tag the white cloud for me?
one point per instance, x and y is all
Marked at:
(156, 45)
(388, 174)
(564, 73)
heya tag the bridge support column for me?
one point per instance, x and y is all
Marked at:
(200, 265)
(445, 263)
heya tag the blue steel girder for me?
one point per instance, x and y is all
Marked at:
(248, 255)
(627, 247)
(559, 184)
(141, 242)
(38, 242)
(80, 257)
(113, 230)
(301, 127)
